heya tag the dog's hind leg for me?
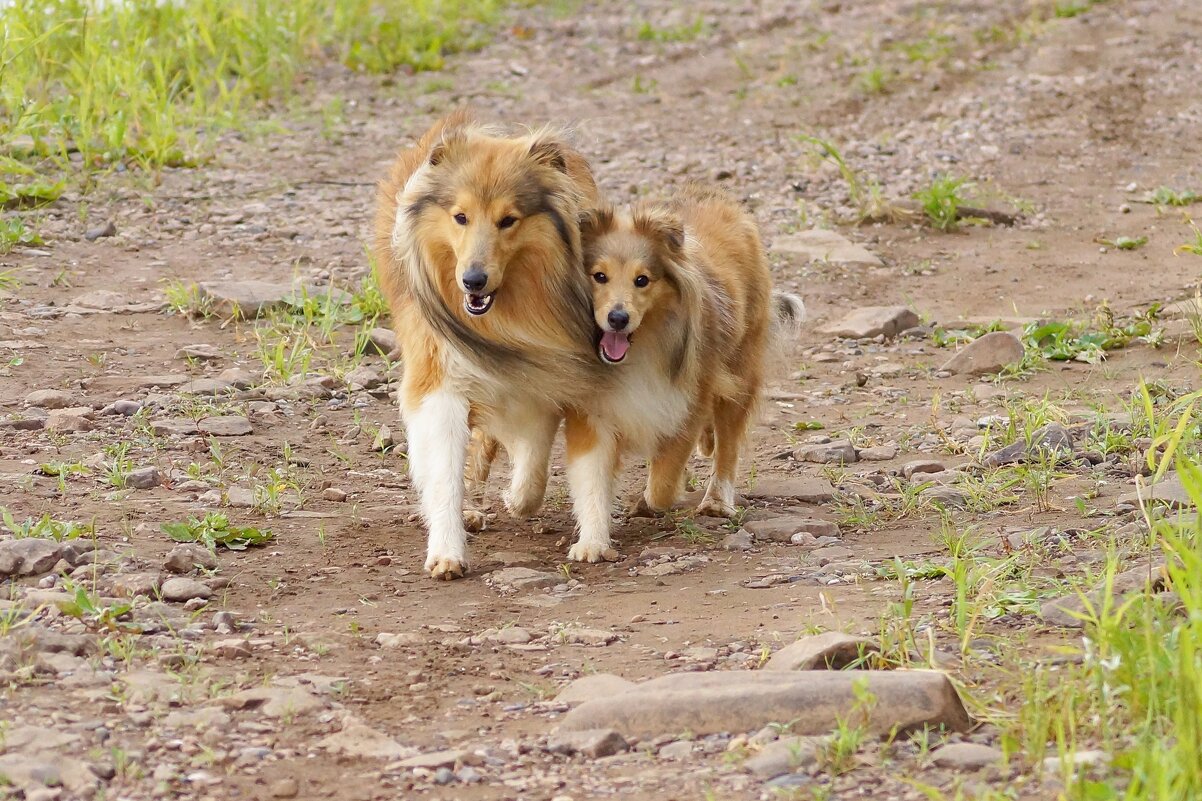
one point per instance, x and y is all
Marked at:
(481, 454)
(530, 452)
(592, 474)
(730, 426)
(437, 425)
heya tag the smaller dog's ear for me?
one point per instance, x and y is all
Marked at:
(450, 137)
(594, 222)
(549, 152)
(661, 227)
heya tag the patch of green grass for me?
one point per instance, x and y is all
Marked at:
(647, 32)
(1125, 242)
(1167, 196)
(873, 80)
(14, 232)
(152, 83)
(45, 527)
(941, 201)
(215, 529)
(1194, 245)
(865, 193)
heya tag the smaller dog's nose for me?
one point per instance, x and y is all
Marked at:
(618, 319)
(475, 278)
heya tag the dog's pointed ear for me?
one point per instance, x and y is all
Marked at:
(449, 139)
(547, 150)
(594, 222)
(661, 227)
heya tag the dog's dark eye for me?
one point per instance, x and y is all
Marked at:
(642, 281)
(507, 222)
(600, 278)
(461, 218)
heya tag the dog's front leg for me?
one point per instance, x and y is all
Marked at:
(437, 426)
(592, 472)
(530, 451)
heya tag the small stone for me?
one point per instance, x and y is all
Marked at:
(234, 648)
(226, 426)
(237, 377)
(1051, 440)
(948, 497)
(363, 377)
(592, 743)
(144, 478)
(986, 354)
(186, 557)
(49, 399)
(239, 497)
(101, 231)
(783, 756)
(880, 453)
(838, 452)
(359, 740)
(922, 466)
(431, 761)
(522, 579)
(1079, 759)
(872, 321)
(831, 650)
(100, 300)
(676, 750)
(380, 341)
(66, 423)
(178, 590)
(254, 298)
(130, 585)
(1169, 491)
(206, 387)
(805, 490)
(595, 638)
(966, 756)
(782, 529)
(387, 639)
(334, 494)
(274, 702)
(739, 540)
(284, 788)
(383, 440)
(178, 427)
(512, 635)
(29, 556)
(198, 352)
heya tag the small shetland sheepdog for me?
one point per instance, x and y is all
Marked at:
(477, 242)
(684, 312)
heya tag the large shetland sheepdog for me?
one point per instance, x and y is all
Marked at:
(684, 309)
(478, 246)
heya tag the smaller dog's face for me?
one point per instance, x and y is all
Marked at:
(629, 263)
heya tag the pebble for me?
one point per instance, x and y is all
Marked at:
(880, 453)
(101, 231)
(832, 650)
(592, 743)
(334, 494)
(284, 788)
(226, 426)
(144, 478)
(966, 756)
(871, 321)
(186, 557)
(49, 399)
(837, 452)
(179, 590)
(986, 354)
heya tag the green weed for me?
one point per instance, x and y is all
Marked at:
(941, 201)
(45, 527)
(215, 529)
(14, 232)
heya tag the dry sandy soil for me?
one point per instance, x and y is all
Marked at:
(1067, 123)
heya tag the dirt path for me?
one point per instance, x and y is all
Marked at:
(1067, 121)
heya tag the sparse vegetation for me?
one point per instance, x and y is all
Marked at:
(941, 201)
(215, 529)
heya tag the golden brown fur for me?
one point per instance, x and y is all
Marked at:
(690, 284)
(467, 204)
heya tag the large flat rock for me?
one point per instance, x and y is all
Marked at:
(825, 246)
(736, 701)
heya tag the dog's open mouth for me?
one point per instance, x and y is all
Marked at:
(478, 304)
(614, 345)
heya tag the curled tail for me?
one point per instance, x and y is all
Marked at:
(788, 312)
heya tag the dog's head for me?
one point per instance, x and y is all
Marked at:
(631, 260)
(481, 201)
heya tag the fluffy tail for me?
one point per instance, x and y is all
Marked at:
(789, 312)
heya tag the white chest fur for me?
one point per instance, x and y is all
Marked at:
(643, 407)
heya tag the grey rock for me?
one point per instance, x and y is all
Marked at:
(100, 300)
(239, 497)
(948, 497)
(880, 453)
(49, 399)
(837, 452)
(359, 740)
(522, 579)
(1072, 611)
(68, 422)
(592, 743)
(284, 788)
(872, 321)
(740, 540)
(226, 426)
(593, 686)
(125, 408)
(364, 378)
(176, 427)
(825, 246)
(207, 387)
(200, 352)
(381, 341)
(383, 440)
(132, 585)
(178, 590)
(831, 650)
(782, 529)
(31, 773)
(186, 557)
(237, 377)
(783, 756)
(922, 466)
(101, 231)
(28, 556)
(680, 749)
(255, 298)
(432, 760)
(986, 354)
(274, 702)
(814, 701)
(804, 489)
(1169, 491)
(1080, 759)
(1053, 440)
(967, 756)
(144, 478)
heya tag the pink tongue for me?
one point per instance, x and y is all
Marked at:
(615, 345)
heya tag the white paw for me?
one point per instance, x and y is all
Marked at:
(446, 567)
(584, 551)
(713, 507)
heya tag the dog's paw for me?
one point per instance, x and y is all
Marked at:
(474, 520)
(446, 568)
(643, 508)
(714, 507)
(593, 552)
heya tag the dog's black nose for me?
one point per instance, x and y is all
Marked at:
(618, 319)
(475, 279)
